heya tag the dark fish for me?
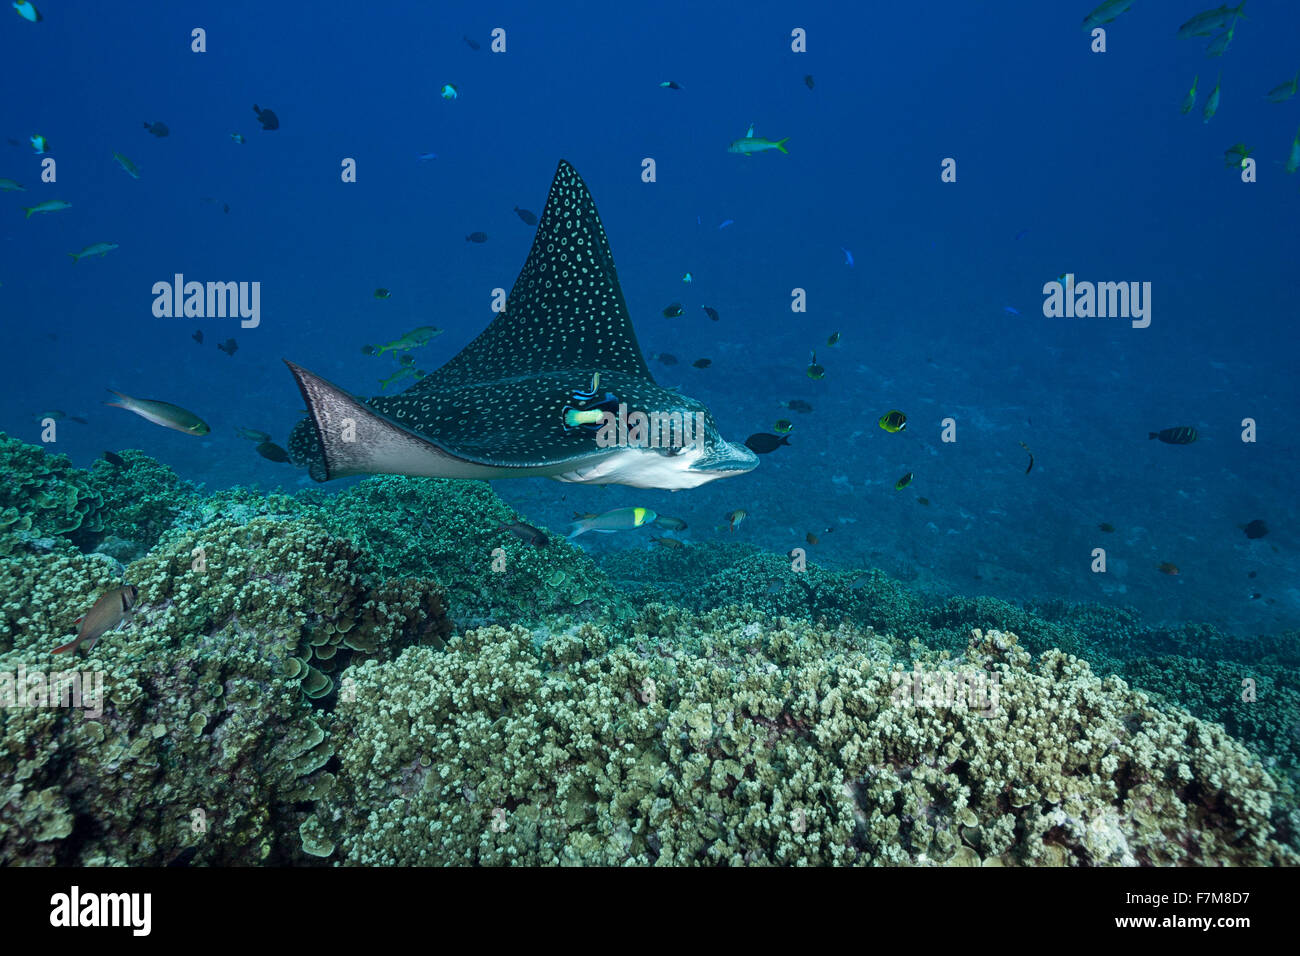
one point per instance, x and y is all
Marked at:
(666, 542)
(815, 371)
(105, 615)
(158, 129)
(1031, 457)
(808, 81)
(797, 405)
(903, 482)
(383, 294)
(476, 237)
(670, 523)
(272, 452)
(710, 312)
(407, 359)
(526, 533)
(833, 338)
(528, 217)
(198, 336)
(1166, 567)
(78, 419)
(267, 118)
(230, 346)
(471, 43)
(702, 363)
(225, 207)
(670, 85)
(761, 443)
(673, 311)
(114, 459)
(1256, 529)
(923, 501)
(1183, 435)
(665, 357)
(812, 538)
(1106, 526)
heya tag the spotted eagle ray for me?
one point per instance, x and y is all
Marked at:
(522, 400)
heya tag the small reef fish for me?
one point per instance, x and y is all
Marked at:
(27, 11)
(1235, 155)
(815, 371)
(198, 336)
(808, 81)
(702, 363)
(406, 371)
(923, 501)
(893, 421)
(1106, 527)
(425, 157)
(669, 523)
(1030, 467)
(711, 312)
(725, 223)
(1190, 99)
(116, 460)
(812, 538)
(162, 413)
(40, 145)
(50, 205)
(1212, 104)
(449, 92)
(252, 434)
(797, 405)
(1293, 159)
(666, 542)
(157, 129)
(1183, 435)
(1207, 23)
(272, 452)
(673, 310)
(411, 340)
(783, 426)
(761, 443)
(620, 519)
(267, 118)
(526, 533)
(1105, 13)
(131, 168)
(848, 257)
(230, 347)
(736, 518)
(1219, 45)
(470, 42)
(1255, 529)
(833, 339)
(383, 294)
(904, 481)
(1167, 567)
(106, 614)
(529, 218)
(100, 249)
(1283, 91)
(476, 237)
(751, 144)
(688, 278)
(670, 85)
(9, 186)
(238, 138)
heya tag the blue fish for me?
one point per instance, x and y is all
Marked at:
(848, 257)
(424, 156)
(725, 223)
(1007, 308)
(1022, 233)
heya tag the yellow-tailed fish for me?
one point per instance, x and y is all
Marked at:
(162, 413)
(1190, 99)
(131, 168)
(1284, 91)
(50, 205)
(1212, 104)
(100, 249)
(1293, 160)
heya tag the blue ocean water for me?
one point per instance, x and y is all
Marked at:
(1067, 160)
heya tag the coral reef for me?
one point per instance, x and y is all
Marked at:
(730, 739)
(141, 499)
(42, 494)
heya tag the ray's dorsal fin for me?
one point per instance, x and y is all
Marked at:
(566, 310)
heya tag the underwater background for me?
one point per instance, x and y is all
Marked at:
(1067, 161)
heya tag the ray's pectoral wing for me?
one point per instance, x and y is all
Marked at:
(342, 437)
